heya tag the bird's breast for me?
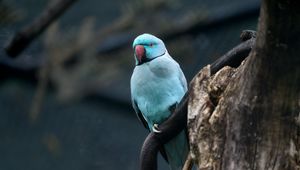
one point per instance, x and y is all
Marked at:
(156, 88)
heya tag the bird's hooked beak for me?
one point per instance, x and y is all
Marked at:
(139, 53)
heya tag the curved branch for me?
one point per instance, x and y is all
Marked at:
(235, 56)
(26, 35)
(178, 120)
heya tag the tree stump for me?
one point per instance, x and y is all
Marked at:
(249, 117)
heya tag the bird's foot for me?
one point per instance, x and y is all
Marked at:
(155, 128)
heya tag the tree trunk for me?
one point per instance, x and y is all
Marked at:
(249, 117)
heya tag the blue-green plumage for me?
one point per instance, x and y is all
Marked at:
(157, 83)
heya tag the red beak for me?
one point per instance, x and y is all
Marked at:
(139, 52)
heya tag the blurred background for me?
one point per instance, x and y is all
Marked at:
(65, 100)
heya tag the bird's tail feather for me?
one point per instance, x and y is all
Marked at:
(177, 151)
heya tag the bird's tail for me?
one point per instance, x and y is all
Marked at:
(177, 150)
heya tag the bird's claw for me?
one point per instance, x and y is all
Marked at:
(155, 128)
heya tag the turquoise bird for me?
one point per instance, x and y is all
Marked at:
(157, 86)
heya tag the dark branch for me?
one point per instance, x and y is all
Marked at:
(233, 57)
(26, 35)
(247, 34)
(178, 120)
(148, 156)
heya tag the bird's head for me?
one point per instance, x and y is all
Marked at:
(147, 47)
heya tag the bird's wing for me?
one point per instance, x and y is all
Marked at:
(182, 79)
(139, 114)
(163, 153)
(181, 76)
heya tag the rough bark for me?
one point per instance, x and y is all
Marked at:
(249, 118)
(205, 120)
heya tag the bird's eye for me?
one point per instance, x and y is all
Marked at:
(151, 44)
